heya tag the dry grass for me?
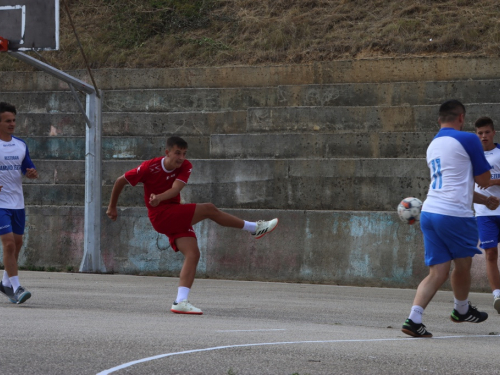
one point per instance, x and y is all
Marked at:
(175, 33)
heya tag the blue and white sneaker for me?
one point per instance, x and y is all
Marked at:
(8, 292)
(21, 295)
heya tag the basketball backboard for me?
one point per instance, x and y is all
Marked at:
(30, 24)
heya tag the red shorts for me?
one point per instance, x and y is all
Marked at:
(174, 221)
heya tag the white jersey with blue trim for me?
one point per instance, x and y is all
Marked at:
(493, 157)
(14, 159)
(454, 158)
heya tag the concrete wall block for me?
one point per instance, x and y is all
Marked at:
(185, 100)
(331, 184)
(113, 148)
(314, 146)
(346, 71)
(236, 99)
(43, 102)
(133, 124)
(347, 248)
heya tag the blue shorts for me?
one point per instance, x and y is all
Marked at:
(489, 231)
(12, 221)
(448, 237)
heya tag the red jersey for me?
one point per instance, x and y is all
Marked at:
(156, 179)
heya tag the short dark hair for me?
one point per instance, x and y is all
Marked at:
(450, 110)
(176, 141)
(484, 121)
(6, 107)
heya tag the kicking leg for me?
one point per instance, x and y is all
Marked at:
(209, 211)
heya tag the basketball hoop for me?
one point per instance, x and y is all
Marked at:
(4, 44)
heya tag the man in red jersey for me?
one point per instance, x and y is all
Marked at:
(163, 179)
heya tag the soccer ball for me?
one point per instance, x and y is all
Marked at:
(409, 210)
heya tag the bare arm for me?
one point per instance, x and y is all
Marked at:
(491, 202)
(155, 199)
(483, 180)
(117, 189)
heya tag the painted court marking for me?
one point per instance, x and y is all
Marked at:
(148, 359)
(251, 330)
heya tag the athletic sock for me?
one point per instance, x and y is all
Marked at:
(14, 280)
(462, 306)
(416, 314)
(496, 293)
(5, 279)
(182, 294)
(250, 226)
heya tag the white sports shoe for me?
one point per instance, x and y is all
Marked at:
(496, 304)
(184, 307)
(264, 227)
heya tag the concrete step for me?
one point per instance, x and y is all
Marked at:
(137, 124)
(347, 71)
(350, 119)
(325, 184)
(246, 146)
(226, 99)
(136, 148)
(314, 146)
(259, 120)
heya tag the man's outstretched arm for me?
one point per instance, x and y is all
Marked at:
(117, 189)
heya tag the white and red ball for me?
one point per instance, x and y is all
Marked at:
(409, 210)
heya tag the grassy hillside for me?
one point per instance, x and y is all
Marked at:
(175, 33)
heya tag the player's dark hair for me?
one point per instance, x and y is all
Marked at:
(450, 110)
(484, 121)
(176, 141)
(6, 107)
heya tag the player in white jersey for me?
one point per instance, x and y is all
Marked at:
(488, 221)
(14, 162)
(455, 160)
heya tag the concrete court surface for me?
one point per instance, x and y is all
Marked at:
(106, 324)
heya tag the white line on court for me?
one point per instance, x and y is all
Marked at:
(251, 330)
(125, 365)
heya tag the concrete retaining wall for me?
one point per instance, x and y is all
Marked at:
(346, 248)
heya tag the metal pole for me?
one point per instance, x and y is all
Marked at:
(92, 261)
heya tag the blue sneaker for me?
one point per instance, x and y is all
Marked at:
(21, 295)
(8, 292)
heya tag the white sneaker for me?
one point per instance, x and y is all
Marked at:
(496, 304)
(264, 227)
(184, 307)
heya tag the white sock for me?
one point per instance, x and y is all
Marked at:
(14, 280)
(250, 226)
(5, 279)
(416, 314)
(496, 293)
(462, 306)
(182, 294)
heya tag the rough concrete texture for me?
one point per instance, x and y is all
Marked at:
(348, 71)
(302, 184)
(329, 148)
(346, 248)
(225, 99)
